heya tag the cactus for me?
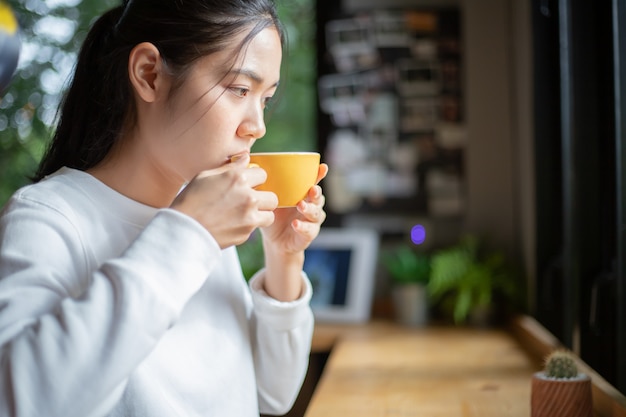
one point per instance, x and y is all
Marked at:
(561, 364)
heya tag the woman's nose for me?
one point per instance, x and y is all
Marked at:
(253, 125)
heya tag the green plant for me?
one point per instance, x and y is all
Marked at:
(464, 278)
(251, 255)
(406, 266)
(560, 364)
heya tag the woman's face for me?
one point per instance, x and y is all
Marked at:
(211, 116)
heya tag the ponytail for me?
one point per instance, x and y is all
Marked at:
(93, 109)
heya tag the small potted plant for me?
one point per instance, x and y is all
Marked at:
(560, 390)
(466, 281)
(409, 271)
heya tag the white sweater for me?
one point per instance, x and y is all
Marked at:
(112, 308)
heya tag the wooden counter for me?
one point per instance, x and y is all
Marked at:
(382, 369)
(387, 370)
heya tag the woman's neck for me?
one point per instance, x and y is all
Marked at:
(134, 175)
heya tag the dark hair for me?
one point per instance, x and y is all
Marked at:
(99, 102)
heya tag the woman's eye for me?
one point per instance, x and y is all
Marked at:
(240, 91)
(267, 102)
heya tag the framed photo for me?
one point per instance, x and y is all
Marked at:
(390, 30)
(350, 44)
(341, 264)
(418, 114)
(341, 96)
(418, 78)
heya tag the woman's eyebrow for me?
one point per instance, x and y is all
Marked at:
(251, 75)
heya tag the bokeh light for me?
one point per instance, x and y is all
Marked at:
(418, 234)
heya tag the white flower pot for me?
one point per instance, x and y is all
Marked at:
(410, 303)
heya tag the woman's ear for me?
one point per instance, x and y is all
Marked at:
(145, 71)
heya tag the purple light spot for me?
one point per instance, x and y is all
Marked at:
(418, 234)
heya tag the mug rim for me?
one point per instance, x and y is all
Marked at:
(284, 153)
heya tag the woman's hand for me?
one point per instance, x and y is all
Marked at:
(225, 202)
(286, 239)
(295, 228)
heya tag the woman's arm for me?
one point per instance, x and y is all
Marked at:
(70, 335)
(282, 333)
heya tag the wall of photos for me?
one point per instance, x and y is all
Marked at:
(391, 98)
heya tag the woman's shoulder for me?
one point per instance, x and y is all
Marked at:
(78, 200)
(57, 192)
(40, 218)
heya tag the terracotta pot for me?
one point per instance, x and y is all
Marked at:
(561, 397)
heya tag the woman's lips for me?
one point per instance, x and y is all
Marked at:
(237, 156)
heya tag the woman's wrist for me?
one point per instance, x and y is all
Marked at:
(283, 274)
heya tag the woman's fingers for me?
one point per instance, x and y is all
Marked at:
(321, 173)
(226, 203)
(312, 207)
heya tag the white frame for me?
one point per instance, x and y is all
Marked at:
(362, 44)
(361, 273)
(418, 114)
(407, 86)
(390, 30)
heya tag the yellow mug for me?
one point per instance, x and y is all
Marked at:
(290, 175)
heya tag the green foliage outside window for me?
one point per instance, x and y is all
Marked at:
(51, 32)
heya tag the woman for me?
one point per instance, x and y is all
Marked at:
(121, 293)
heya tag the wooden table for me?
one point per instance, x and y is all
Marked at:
(389, 370)
(382, 369)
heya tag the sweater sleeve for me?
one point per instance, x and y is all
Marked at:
(282, 334)
(70, 335)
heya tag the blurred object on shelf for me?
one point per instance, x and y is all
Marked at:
(10, 44)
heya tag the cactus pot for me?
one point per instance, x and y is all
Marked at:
(565, 397)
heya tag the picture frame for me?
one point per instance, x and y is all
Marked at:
(418, 78)
(350, 44)
(341, 264)
(341, 96)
